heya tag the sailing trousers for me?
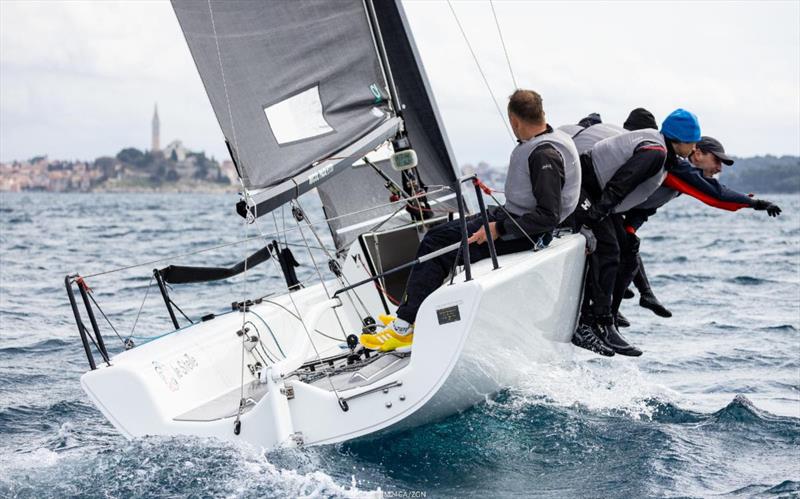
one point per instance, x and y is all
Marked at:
(603, 266)
(629, 267)
(427, 276)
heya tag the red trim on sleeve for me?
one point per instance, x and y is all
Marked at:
(652, 148)
(675, 183)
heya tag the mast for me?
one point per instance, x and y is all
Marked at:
(375, 27)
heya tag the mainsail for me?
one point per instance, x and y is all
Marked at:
(300, 93)
(291, 83)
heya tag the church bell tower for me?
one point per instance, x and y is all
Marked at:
(156, 142)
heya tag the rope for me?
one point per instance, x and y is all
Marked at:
(136, 321)
(503, 42)
(536, 245)
(341, 278)
(480, 70)
(270, 333)
(222, 73)
(105, 317)
(168, 258)
(319, 273)
(278, 234)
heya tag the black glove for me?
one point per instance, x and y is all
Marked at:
(585, 214)
(591, 241)
(772, 209)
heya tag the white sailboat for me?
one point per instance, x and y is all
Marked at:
(303, 92)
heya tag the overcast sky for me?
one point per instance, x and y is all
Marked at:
(79, 79)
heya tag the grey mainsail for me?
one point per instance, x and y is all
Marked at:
(300, 94)
(291, 83)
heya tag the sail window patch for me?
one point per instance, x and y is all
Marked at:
(298, 117)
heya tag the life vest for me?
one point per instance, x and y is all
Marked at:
(610, 154)
(586, 138)
(519, 195)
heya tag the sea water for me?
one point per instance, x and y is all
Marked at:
(712, 407)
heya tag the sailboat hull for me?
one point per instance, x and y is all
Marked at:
(472, 339)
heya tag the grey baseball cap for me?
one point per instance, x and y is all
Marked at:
(712, 145)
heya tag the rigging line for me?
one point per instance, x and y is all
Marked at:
(271, 334)
(288, 311)
(278, 234)
(480, 70)
(261, 343)
(136, 321)
(181, 311)
(105, 317)
(341, 278)
(524, 232)
(86, 332)
(300, 317)
(503, 42)
(377, 226)
(245, 309)
(172, 257)
(222, 73)
(308, 335)
(319, 272)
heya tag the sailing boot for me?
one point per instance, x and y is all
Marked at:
(648, 300)
(396, 336)
(607, 331)
(585, 337)
(622, 321)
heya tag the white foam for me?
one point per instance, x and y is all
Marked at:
(600, 385)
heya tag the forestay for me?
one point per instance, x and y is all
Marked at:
(291, 83)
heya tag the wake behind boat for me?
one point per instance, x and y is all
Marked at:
(331, 97)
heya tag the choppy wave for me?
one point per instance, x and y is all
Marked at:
(167, 467)
(711, 409)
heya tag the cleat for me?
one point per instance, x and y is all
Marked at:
(585, 337)
(650, 302)
(622, 321)
(387, 340)
(628, 294)
(611, 337)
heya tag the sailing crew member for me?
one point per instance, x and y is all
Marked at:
(694, 178)
(541, 189)
(619, 173)
(638, 119)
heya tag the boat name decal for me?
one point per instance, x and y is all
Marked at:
(320, 174)
(175, 369)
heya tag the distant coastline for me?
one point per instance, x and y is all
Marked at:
(758, 174)
(179, 170)
(173, 169)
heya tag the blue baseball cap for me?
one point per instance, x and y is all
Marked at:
(682, 126)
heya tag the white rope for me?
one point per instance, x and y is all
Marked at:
(503, 42)
(480, 70)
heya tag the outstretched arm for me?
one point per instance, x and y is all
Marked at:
(689, 180)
